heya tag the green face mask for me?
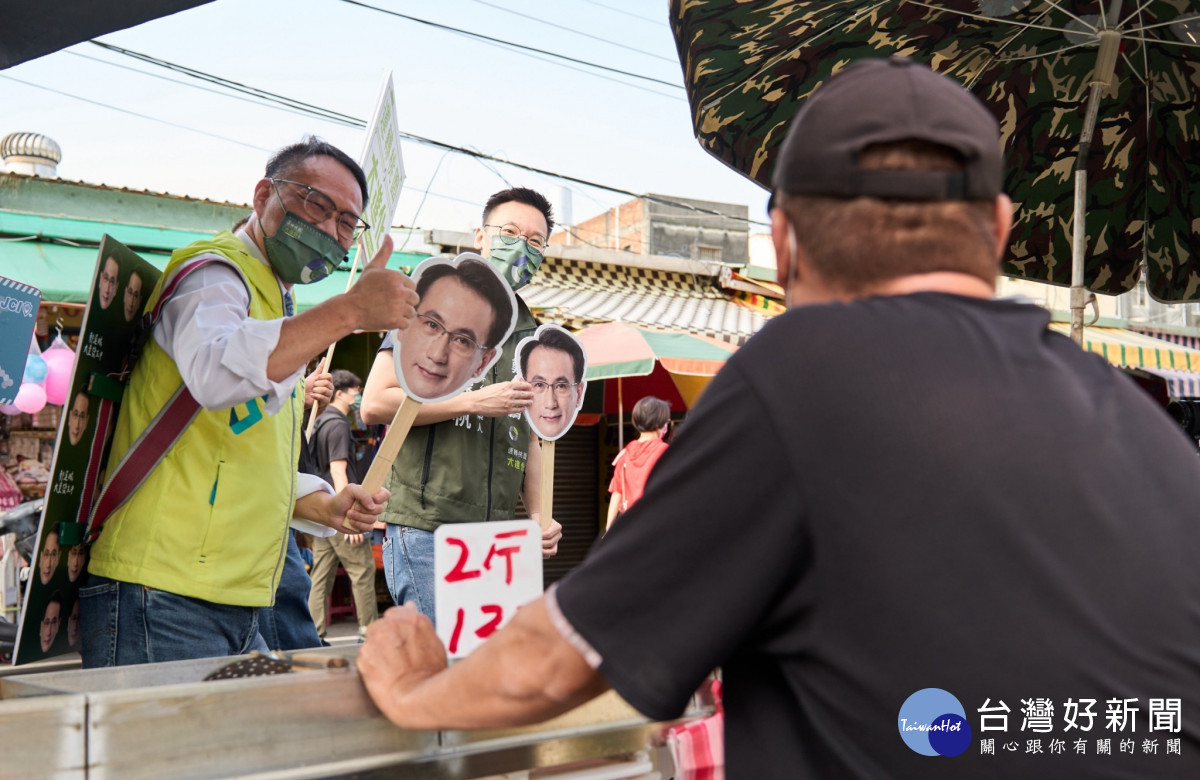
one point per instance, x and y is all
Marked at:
(514, 262)
(301, 253)
(357, 402)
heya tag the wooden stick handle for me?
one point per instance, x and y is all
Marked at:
(312, 420)
(547, 484)
(316, 409)
(389, 448)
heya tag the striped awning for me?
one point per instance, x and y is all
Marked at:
(577, 293)
(1127, 348)
(1180, 384)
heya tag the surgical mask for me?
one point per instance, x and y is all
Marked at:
(357, 402)
(302, 253)
(514, 262)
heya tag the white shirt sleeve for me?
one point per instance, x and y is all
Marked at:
(221, 351)
(307, 484)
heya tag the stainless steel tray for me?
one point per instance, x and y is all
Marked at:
(162, 720)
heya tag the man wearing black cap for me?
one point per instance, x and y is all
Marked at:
(921, 535)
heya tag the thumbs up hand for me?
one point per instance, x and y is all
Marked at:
(383, 299)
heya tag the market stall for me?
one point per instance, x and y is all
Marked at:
(165, 720)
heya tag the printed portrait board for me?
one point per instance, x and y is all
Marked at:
(554, 362)
(483, 573)
(103, 360)
(465, 314)
(18, 315)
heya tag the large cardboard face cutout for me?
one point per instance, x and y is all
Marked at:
(553, 361)
(465, 314)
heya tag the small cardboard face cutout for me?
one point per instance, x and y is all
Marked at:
(554, 362)
(465, 314)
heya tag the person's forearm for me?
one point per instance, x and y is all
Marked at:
(337, 471)
(449, 409)
(614, 506)
(314, 507)
(304, 336)
(524, 674)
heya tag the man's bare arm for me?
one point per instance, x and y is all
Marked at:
(383, 394)
(525, 673)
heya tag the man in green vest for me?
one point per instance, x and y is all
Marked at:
(468, 457)
(191, 553)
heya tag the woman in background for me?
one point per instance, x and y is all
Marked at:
(651, 418)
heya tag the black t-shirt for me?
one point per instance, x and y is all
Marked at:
(911, 492)
(331, 441)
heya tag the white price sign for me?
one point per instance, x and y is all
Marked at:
(485, 572)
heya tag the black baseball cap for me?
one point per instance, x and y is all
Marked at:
(883, 101)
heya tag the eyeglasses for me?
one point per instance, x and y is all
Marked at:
(48, 554)
(319, 207)
(460, 343)
(47, 622)
(75, 414)
(510, 234)
(561, 389)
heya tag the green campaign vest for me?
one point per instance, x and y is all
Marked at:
(210, 521)
(466, 470)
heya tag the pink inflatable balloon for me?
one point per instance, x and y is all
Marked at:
(9, 409)
(31, 398)
(59, 364)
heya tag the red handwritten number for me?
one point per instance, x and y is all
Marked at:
(460, 572)
(458, 626)
(489, 628)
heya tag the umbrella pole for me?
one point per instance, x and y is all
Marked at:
(620, 418)
(1102, 76)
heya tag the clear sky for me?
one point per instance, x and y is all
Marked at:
(126, 126)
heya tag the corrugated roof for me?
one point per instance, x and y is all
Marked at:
(575, 294)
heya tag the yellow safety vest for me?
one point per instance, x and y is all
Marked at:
(210, 521)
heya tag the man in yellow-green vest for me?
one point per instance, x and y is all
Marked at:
(196, 547)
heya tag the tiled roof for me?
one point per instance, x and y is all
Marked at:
(576, 293)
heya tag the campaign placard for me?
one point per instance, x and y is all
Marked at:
(112, 324)
(18, 315)
(555, 363)
(383, 163)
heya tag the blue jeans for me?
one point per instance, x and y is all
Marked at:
(125, 623)
(408, 567)
(288, 625)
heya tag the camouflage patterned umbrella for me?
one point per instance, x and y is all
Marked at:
(748, 64)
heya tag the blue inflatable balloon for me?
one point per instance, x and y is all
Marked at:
(35, 369)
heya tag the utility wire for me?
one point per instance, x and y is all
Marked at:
(576, 32)
(266, 103)
(140, 116)
(345, 119)
(202, 76)
(508, 44)
(623, 11)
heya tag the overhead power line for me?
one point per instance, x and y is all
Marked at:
(511, 45)
(627, 13)
(574, 31)
(308, 109)
(139, 116)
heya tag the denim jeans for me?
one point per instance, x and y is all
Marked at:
(288, 625)
(126, 623)
(408, 567)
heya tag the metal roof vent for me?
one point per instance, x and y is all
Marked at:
(31, 153)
